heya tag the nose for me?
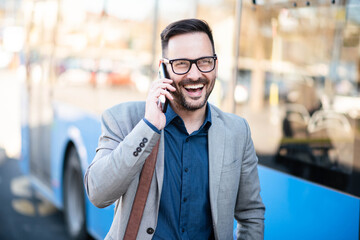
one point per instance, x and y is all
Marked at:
(194, 72)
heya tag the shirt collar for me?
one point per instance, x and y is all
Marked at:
(171, 115)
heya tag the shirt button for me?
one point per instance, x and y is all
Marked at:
(150, 230)
(187, 140)
(135, 154)
(185, 199)
(145, 140)
(186, 169)
(183, 230)
(142, 144)
(138, 149)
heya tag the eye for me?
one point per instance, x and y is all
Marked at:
(205, 61)
(181, 63)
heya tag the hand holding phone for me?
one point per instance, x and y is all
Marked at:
(158, 98)
(162, 99)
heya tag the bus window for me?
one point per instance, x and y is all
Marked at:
(298, 78)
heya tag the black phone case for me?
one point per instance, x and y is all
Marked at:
(163, 74)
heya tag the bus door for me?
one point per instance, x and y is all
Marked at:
(40, 115)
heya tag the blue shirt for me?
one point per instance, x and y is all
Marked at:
(184, 204)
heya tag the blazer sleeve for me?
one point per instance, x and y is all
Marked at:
(121, 153)
(249, 210)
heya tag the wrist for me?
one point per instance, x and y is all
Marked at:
(151, 125)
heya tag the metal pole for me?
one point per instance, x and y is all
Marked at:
(153, 64)
(237, 31)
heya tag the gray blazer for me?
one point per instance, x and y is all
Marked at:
(234, 187)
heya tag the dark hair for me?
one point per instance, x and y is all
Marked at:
(182, 27)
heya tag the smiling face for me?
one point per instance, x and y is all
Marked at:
(193, 88)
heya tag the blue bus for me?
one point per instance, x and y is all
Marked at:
(291, 68)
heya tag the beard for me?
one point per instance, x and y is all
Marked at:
(180, 97)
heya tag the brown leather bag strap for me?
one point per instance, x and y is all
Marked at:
(141, 195)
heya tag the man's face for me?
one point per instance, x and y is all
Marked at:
(193, 88)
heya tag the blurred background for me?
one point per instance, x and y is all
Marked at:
(290, 67)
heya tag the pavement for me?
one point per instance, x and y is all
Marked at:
(24, 214)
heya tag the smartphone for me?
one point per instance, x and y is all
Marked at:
(162, 99)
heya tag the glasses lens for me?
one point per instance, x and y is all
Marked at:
(206, 64)
(181, 66)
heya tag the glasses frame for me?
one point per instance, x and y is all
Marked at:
(192, 61)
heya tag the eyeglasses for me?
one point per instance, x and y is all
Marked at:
(182, 66)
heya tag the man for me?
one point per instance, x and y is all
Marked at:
(206, 170)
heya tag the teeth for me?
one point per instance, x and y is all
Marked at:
(194, 86)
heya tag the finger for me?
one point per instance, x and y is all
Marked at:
(155, 96)
(168, 80)
(164, 86)
(167, 94)
(164, 92)
(162, 80)
(171, 87)
(167, 86)
(159, 84)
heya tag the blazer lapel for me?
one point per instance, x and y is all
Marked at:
(216, 141)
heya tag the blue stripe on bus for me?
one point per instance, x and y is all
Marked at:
(298, 209)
